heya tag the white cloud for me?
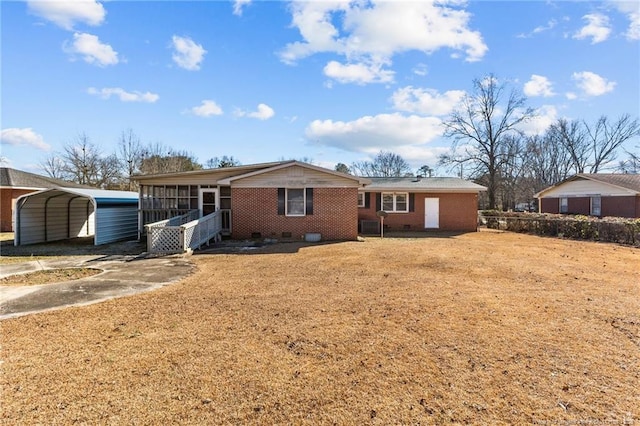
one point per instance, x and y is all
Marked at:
(238, 5)
(373, 133)
(551, 24)
(421, 70)
(92, 50)
(206, 109)
(632, 10)
(358, 73)
(592, 84)
(373, 32)
(23, 137)
(67, 13)
(545, 116)
(264, 112)
(135, 96)
(538, 86)
(571, 95)
(597, 28)
(426, 101)
(187, 53)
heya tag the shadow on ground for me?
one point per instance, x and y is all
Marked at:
(273, 246)
(73, 247)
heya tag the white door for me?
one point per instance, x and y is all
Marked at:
(431, 212)
(207, 201)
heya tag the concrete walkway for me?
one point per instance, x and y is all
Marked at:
(121, 276)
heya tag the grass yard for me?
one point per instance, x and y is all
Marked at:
(480, 328)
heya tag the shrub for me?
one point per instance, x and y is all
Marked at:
(609, 229)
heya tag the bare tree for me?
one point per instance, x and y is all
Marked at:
(548, 162)
(54, 167)
(480, 130)
(571, 136)
(384, 164)
(157, 158)
(224, 161)
(605, 138)
(632, 164)
(82, 161)
(513, 170)
(129, 156)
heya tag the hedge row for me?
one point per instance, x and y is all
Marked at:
(608, 229)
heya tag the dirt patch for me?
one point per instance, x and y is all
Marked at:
(48, 276)
(481, 328)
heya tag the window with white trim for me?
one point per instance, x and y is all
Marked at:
(361, 199)
(564, 205)
(395, 202)
(295, 202)
(596, 206)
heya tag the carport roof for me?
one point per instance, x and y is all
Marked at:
(100, 196)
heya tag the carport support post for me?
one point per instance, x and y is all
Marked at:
(381, 226)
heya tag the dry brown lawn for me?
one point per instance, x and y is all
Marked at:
(480, 328)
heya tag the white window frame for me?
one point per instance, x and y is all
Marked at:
(592, 210)
(361, 202)
(304, 202)
(566, 205)
(395, 201)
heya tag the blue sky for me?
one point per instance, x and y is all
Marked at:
(334, 81)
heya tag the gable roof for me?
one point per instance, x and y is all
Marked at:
(620, 180)
(284, 164)
(13, 178)
(425, 184)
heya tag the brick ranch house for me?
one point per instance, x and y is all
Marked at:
(15, 183)
(288, 199)
(593, 194)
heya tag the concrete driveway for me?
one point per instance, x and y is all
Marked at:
(122, 275)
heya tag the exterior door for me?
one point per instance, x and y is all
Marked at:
(207, 201)
(431, 212)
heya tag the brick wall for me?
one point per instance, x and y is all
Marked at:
(7, 198)
(458, 212)
(610, 206)
(255, 210)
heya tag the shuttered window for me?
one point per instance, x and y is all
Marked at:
(295, 201)
(395, 202)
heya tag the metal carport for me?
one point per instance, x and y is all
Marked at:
(63, 213)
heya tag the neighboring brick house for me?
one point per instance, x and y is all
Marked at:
(14, 183)
(418, 204)
(286, 200)
(593, 194)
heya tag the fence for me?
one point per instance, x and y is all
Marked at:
(615, 230)
(175, 236)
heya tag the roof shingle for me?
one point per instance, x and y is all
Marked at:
(12, 178)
